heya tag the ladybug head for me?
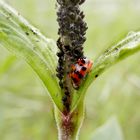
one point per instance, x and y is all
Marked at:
(82, 61)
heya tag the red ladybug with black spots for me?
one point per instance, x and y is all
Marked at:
(79, 71)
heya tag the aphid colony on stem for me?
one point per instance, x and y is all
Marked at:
(78, 70)
(72, 66)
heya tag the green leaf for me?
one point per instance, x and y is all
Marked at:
(25, 41)
(127, 47)
(111, 130)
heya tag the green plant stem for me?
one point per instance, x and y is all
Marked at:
(69, 125)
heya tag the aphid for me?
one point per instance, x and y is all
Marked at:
(79, 71)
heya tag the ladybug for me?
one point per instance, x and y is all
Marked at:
(79, 71)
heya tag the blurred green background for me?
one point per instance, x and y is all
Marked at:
(26, 112)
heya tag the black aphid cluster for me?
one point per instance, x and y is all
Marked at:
(60, 67)
(72, 29)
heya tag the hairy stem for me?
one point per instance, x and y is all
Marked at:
(69, 125)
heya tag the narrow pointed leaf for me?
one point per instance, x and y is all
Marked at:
(22, 39)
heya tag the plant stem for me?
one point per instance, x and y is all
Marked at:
(72, 30)
(69, 125)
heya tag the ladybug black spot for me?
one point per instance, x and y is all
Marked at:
(80, 75)
(83, 61)
(76, 72)
(75, 80)
(84, 68)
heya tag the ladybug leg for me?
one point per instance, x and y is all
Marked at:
(70, 75)
(73, 68)
(89, 66)
(75, 81)
(76, 87)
